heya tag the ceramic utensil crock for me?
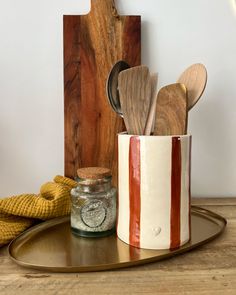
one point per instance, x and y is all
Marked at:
(154, 190)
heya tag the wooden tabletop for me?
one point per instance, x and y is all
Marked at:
(210, 269)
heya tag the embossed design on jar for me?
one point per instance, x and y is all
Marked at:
(93, 214)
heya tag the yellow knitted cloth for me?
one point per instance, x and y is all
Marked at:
(17, 213)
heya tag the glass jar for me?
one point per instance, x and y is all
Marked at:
(93, 208)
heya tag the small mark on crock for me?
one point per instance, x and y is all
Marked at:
(157, 231)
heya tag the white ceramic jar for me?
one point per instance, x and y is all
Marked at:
(154, 191)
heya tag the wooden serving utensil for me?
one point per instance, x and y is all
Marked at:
(171, 110)
(112, 86)
(151, 114)
(195, 79)
(135, 89)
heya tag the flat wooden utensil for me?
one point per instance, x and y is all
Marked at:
(135, 89)
(171, 110)
(92, 44)
(195, 79)
(152, 111)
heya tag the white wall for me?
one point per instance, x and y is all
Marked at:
(175, 35)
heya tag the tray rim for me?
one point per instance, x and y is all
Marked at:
(204, 213)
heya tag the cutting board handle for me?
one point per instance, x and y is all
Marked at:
(104, 5)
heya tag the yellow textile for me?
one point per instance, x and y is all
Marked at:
(17, 213)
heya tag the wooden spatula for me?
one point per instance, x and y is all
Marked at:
(171, 110)
(135, 87)
(195, 79)
(152, 111)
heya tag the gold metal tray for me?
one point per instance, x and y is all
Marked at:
(52, 247)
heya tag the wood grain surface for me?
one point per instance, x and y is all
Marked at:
(208, 270)
(135, 96)
(152, 110)
(195, 79)
(92, 44)
(171, 110)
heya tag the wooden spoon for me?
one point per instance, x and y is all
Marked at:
(171, 110)
(134, 87)
(195, 79)
(151, 114)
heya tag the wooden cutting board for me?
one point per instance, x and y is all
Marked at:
(92, 44)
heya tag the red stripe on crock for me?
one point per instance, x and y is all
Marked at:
(134, 191)
(175, 193)
(190, 153)
(134, 253)
(118, 193)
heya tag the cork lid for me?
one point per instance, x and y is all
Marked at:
(93, 173)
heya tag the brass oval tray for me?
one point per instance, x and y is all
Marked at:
(51, 246)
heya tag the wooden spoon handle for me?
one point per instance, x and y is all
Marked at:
(152, 110)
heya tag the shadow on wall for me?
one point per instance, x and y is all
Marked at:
(11, 159)
(213, 147)
(146, 54)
